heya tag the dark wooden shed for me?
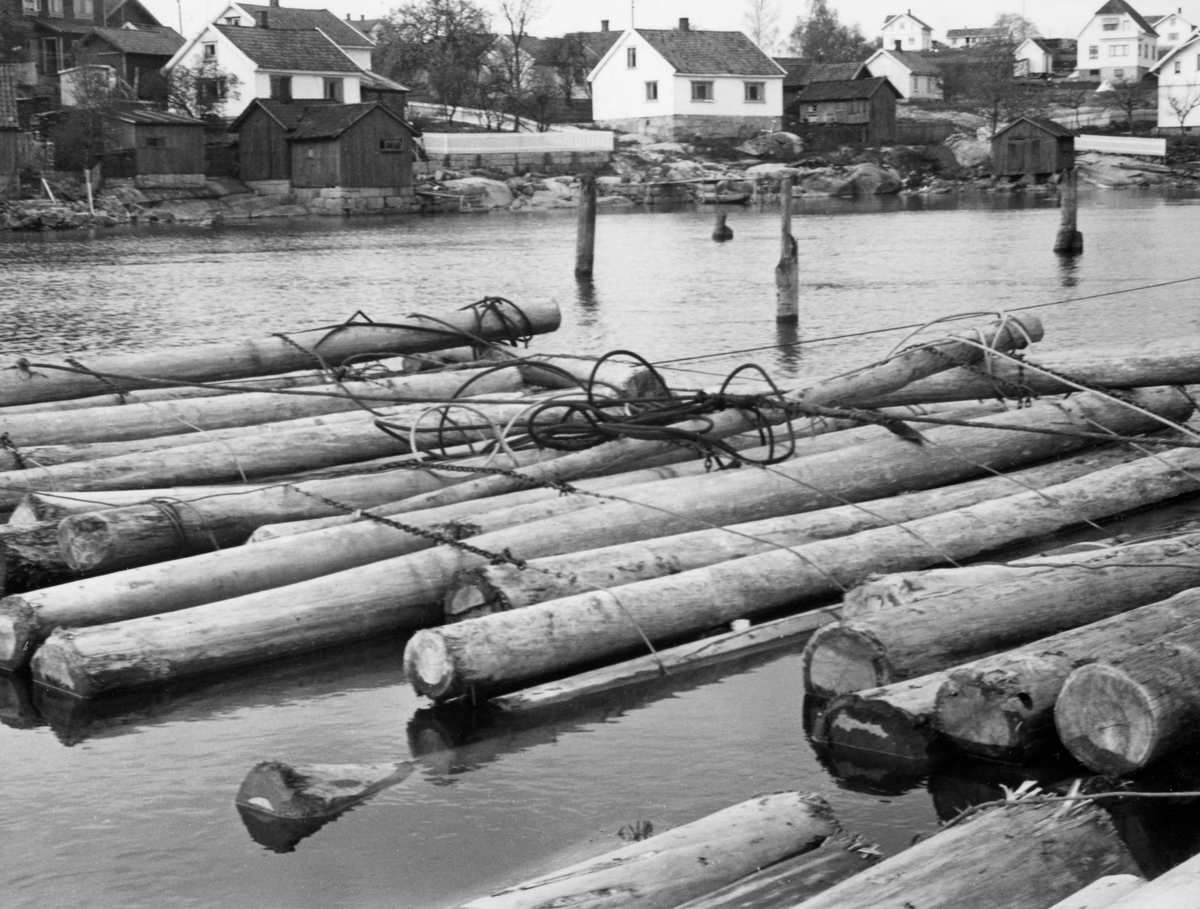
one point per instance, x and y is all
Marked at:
(1034, 146)
(162, 142)
(10, 128)
(866, 103)
(137, 54)
(263, 130)
(352, 145)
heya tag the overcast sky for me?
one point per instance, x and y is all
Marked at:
(1054, 18)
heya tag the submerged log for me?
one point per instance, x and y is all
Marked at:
(1134, 708)
(406, 592)
(137, 421)
(495, 588)
(682, 863)
(24, 381)
(1029, 856)
(949, 616)
(794, 880)
(1003, 706)
(506, 648)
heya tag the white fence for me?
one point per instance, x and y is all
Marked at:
(1122, 145)
(583, 141)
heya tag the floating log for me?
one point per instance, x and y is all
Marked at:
(1174, 889)
(506, 648)
(24, 381)
(1137, 706)
(1145, 366)
(794, 880)
(944, 617)
(682, 863)
(892, 720)
(283, 803)
(844, 390)
(1046, 855)
(1101, 893)
(137, 421)
(398, 593)
(303, 445)
(1003, 706)
(495, 588)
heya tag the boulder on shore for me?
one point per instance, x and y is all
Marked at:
(782, 146)
(493, 193)
(873, 180)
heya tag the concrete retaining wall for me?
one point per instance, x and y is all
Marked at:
(682, 128)
(557, 162)
(364, 200)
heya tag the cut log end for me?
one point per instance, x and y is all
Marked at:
(468, 600)
(429, 666)
(1107, 720)
(840, 660)
(56, 664)
(87, 543)
(18, 634)
(986, 721)
(868, 725)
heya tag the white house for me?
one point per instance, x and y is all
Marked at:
(1044, 56)
(678, 83)
(913, 76)
(343, 33)
(1118, 44)
(905, 32)
(1172, 30)
(966, 37)
(1179, 87)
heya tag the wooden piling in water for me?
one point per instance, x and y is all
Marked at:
(585, 240)
(1069, 240)
(722, 232)
(787, 279)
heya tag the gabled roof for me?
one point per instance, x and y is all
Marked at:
(852, 90)
(593, 44)
(287, 114)
(801, 73)
(111, 7)
(303, 51)
(890, 19)
(366, 26)
(340, 32)
(989, 32)
(145, 116)
(1055, 129)
(155, 42)
(1120, 7)
(330, 121)
(376, 82)
(8, 96)
(914, 63)
(1191, 41)
(697, 53)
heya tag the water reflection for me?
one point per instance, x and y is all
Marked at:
(16, 702)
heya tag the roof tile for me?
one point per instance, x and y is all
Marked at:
(305, 51)
(159, 42)
(340, 32)
(699, 53)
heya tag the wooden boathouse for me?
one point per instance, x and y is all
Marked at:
(1034, 146)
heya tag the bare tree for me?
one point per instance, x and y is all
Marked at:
(1074, 96)
(762, 24)
(1128, 97)
(201, 89)
(1184, 104)
(513, 57)
(1018, 27)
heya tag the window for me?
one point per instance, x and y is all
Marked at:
(756, 91)
(333, 89)
(210, 50)
(912, 40)
(391, 145)
(29, 7)
(153, 142)
(1118, 50)
(55, 8)
(1119, 73)
(1178, 66)
(1111, 25)
(233, 20)
(651, 91)
(702, 91)
(83, 9)
(210, 92)
(1172, 36)
(281, 88)
(812, 108)
(631, 57)
(1093, 51)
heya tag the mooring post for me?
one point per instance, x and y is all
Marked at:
(1069, 240)
(585, 243)
(721, 231)
(787, 284)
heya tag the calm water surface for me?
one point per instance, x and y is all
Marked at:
(131, 802)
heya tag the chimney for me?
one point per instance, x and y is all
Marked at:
(683, 24)
(603, 25)
(264, 20)
(274, 2)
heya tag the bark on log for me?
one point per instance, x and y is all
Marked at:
(893, 721)
(955, 615)
(496, 588)
(406, 592)
(136, 422)
(1101, 893)
(510, 647)
(1174, 889)
(1163, 363)
(24, 381)
(319, 442)
(1134, 708)
(844, 390)
(794, 880)
(1003, 706)
(1044, 858)
(30, 557)
(679, 864)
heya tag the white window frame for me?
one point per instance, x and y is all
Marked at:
(755, 88)
(1118, 50)
(55, 8)
(652, 90)
(1178, 66)
(31, 7)
(1093, 51)
(84, 9)
(209, 50)
(705, 95)
(631, 58)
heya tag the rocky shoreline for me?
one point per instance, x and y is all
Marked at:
(642, 172)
